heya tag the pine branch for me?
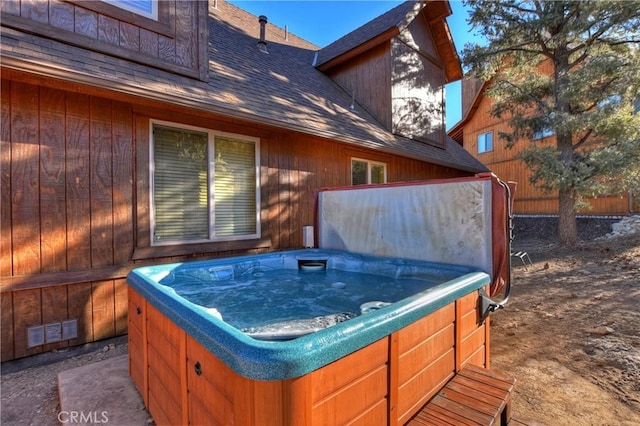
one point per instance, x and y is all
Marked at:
(583, 139)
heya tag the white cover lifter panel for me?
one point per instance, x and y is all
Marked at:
(441, 222)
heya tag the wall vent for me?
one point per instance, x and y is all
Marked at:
(38, 335)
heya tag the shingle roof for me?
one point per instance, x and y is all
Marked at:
(398, 17)
(280, 88)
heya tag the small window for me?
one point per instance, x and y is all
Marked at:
(365, 172)
(485, 142)
(204, 185)
(146, 8)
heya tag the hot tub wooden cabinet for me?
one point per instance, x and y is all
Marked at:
(384, 383)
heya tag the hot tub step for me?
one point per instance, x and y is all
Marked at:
(474, 396)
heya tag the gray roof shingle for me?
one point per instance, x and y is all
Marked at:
(398, 17)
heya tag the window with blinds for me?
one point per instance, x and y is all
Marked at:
(148, 8)
(204, 186)
(365, 172)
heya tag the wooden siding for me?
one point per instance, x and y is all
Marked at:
(356, 76)
(75, 182)
(417, 93)
(409, 75)
(177, 41)
(501, 161)
(419, 35)
(386, 382)
(97, 306)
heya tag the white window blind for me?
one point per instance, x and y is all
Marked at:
(378, 174)
(204, 186)
(148, 8)
(234, 187)
(180, 184)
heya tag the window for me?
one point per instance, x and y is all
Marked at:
(204, 185)
(364, 172)
(485, 142)
(147, 8)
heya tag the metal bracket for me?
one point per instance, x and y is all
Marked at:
(487, 305)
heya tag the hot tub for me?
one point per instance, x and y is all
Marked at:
(301, 337)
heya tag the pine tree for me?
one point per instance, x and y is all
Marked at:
(587, 96)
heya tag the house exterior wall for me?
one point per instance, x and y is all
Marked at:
(75, 196)
(417, 94)
(417, 84)
(503, 162)
(176, 41)
(356, 77)
(401, 82)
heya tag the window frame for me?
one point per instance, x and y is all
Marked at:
(211, 136)
(369, 163)
(485, 150)
(123, 4)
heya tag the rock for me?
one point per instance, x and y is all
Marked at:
(603, 330)
(627, 226)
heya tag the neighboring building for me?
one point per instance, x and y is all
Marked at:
(478, 132)
(134, 137)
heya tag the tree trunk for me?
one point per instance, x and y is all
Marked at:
(567, 228)
(568, 231)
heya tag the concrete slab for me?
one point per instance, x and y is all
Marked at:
(101, 393)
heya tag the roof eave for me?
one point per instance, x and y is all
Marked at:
(436, 13)
(367, 45)
(69, 76)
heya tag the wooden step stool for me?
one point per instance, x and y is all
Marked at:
(474, 396)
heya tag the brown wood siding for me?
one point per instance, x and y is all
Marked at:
(417, 93)
(357, 76)
(100, 309)
(177, 41)
(6, 327)
(502, 162)
(386, 382)
(76, 178)
(426, 350)
(419, 34)
(6, 260)
(70, 181)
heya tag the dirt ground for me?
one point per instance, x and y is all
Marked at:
(570, 334)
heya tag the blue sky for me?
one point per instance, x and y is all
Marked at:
(322, 22)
